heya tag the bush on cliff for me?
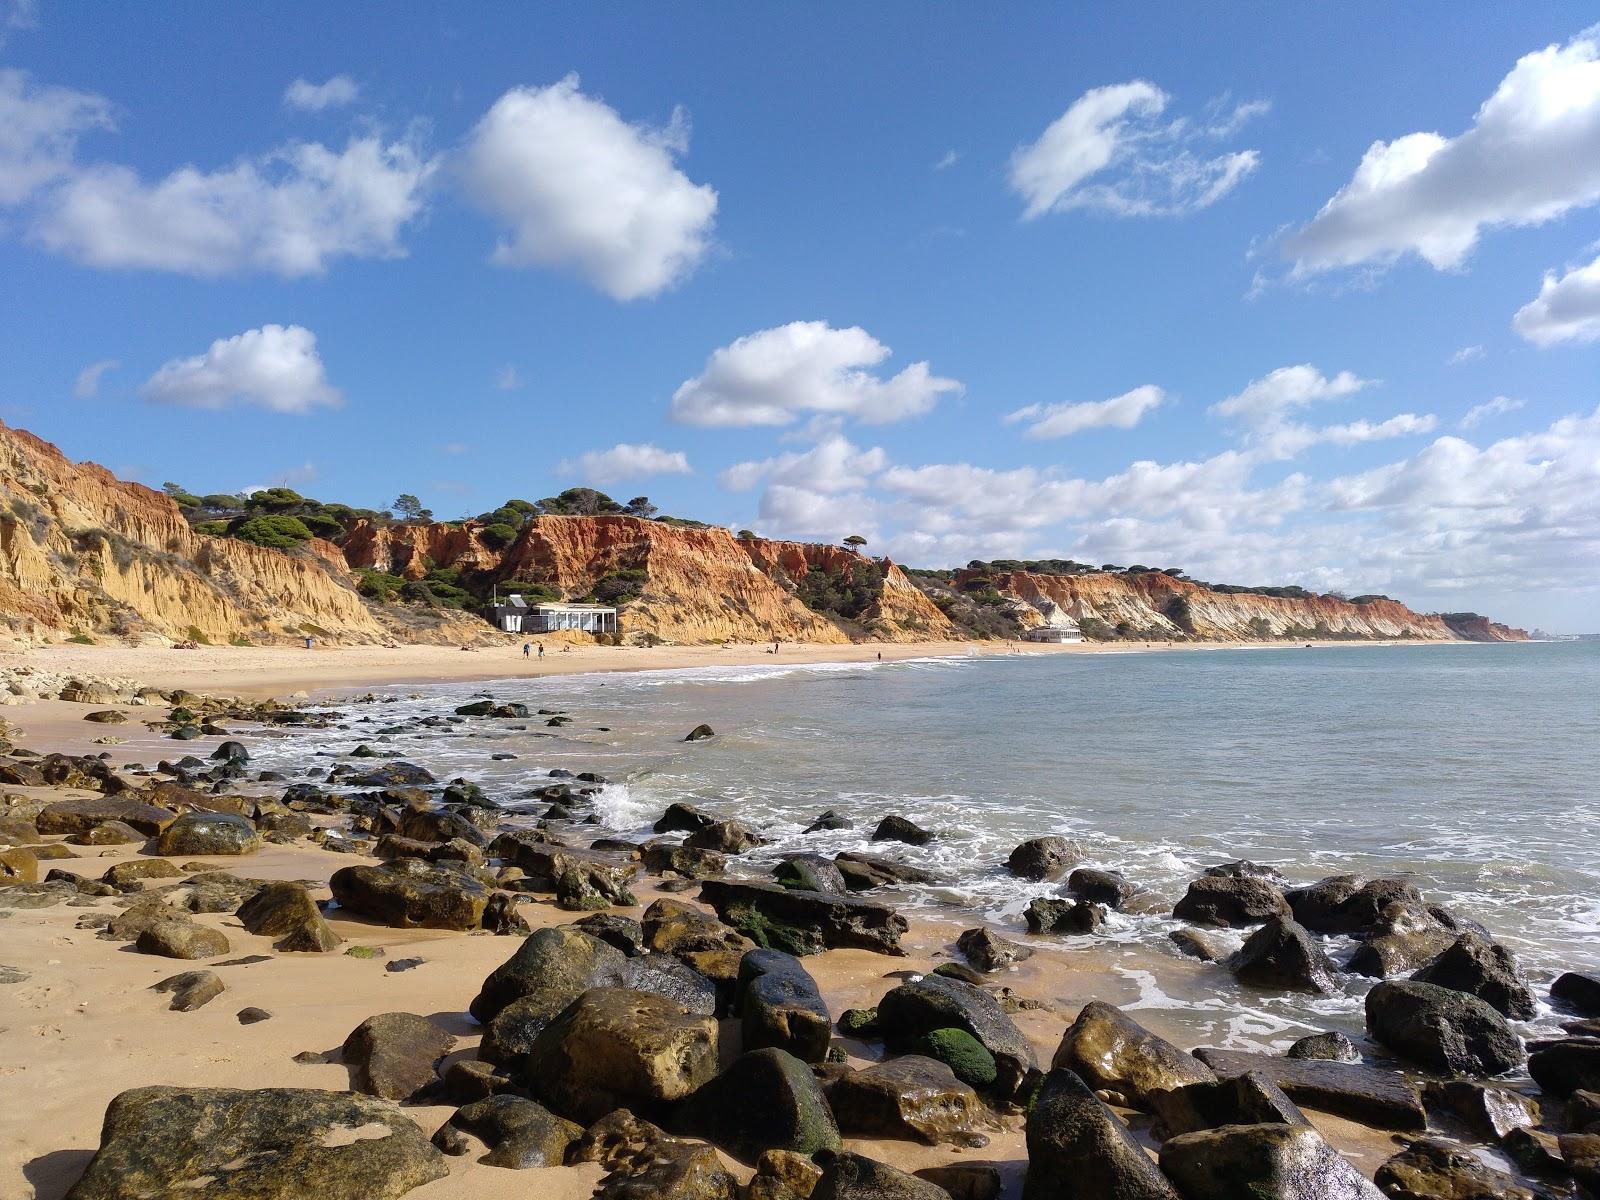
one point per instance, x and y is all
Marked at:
(497, 535)
(277, 533)
(378, 585)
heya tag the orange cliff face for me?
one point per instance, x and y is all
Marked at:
(1147, 602)
(83, 550)
(700, 584)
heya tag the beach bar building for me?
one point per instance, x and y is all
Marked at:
(1062, 630)
(516, 615)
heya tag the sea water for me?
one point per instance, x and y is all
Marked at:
(1471, 770)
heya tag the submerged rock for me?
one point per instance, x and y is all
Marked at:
(256, 1145)
(1043, 858)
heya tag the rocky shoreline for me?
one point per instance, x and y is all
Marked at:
(508, 998)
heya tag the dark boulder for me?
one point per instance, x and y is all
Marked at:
(895, 828)
(1284, 1162)
(1113, 1053)
(394, 1054)
(913, 1010)
(856, 1177)
(519, 1133)
(1248, 1099)
(394, 774)
(1281, 956)
(1577, 992)
(80, 816)
(700, 733)
(1100, 887)
(1490, 1112)
(804, 922)
(440, 825)
(1434, 1169)
(691, 863)
(910, 1097)
(1349, 904)
(810, 873)
(1043, 858)
(286, 911)
(1444, 1030)
(829, 820)
(208, 833)
(407, 893)
(683, 817)
(1078, 1149)
(1382, 1099)
(259, 1145)
(1243, 868)
(1484, 969)
(1408, 936)
(669, 977)
(865, 871)
(987, 951)
(549, 969)
(181, 939)
(646, 1164)
(1326, 1047)
(767, 1099)
(1230, 901)
(725, 837)
(1566, 1066)
(780, 1005)
(613, 1048)
(1063, 916)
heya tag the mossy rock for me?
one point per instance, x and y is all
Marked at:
(962, 1053)
(859, 1022)
(773, 935)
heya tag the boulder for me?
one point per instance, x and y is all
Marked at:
(783, 1175)
(987, 951)
(80, 816)
(1484, 969)
(409, 894)
(700, 733)
(519, 1133)
(1100, 887)
(620, 932)
(1284, 1162)
(673, 979)
(106, 716)
(645, 1164)
(394, 774)
(550, 969)
(856, 1177)
(725, 837)
(1116, 1055)
(107, 833)
(810, 873)
(804, 922)
(1281, 956)
(1230, 901)
(683, 817)
(182, 939)
(190, 990)
(613, 1048)
(1434, 1169)
(208, 833)
(780, 1005)
(1349, 904)
(590, 886)
(829, 820)
(913, 1010)
(394, 1054)
(1248, 1099)
(1490, 1112)
(1577, 992)
(439, 825)
(1446, 1031)
(865, 871)
(1078, 1149)
(19, 866)
(230, 752)
(1370, 1095)
(963, 1054)
(1408, 937)
(965, 1181)
(1580, 1152)
(1327, 1047)
(256, 1145)
(1043, 858)
(691, 863)
(895, 828)
(673, 927)
(767, 1099)
(1063, 916)
(909, 1097)
(1566, 1066)
(286, 911)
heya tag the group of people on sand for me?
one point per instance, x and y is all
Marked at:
(528, 648)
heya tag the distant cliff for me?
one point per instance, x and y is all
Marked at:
(1152, 605)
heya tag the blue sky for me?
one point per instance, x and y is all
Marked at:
(1276, 295)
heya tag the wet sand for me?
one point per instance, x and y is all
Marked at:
(85, 1027)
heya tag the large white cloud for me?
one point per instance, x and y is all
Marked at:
(1567, 308)
(833, 465)
(276, 367)
(314, 97)
(1063, 420)
(39, 131)
(290, 212)
(627, 460)
(584, 190)
(1263, 411)
(1113, 151)
(1531, 154)
(771, 377)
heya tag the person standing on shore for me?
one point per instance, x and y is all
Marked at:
(541, 649)
(527, 649)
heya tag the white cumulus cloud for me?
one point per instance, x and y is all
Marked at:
(833, 465)
(583, 190)
(626, 460)
(314, 97)
(1567, 308)
(1286, 389)
(1479, 413)
(276, 367)
(1063, 420)
(1115, 151)
(87, 383)
(39, 131)
(773, 376)
(1531, 154)
(1264, 411)
(289, 212)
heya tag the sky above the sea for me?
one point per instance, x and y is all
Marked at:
(1272, 293)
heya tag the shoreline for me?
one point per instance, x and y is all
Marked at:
(277, 672)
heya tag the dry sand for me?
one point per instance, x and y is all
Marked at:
(84, 1026)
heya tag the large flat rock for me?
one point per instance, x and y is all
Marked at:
(1370, 1095)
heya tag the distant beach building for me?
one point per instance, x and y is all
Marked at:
(516, 615)
(1065, 629)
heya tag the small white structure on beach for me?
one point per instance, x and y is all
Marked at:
(516, 615)
(1065, 630)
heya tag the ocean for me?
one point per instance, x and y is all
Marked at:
(1471, 770)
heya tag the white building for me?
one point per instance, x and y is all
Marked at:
(1064, 630)
(516, 615)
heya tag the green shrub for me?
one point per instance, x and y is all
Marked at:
(213, 528)
(82, 639)
(196, 635)
(321, 525)
(378, 585)
(241, 641)
(497, 535)
(618, 587)
(276, 533)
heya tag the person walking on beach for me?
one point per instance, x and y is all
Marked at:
(309, 640)
(527, 649)
(541, 649)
